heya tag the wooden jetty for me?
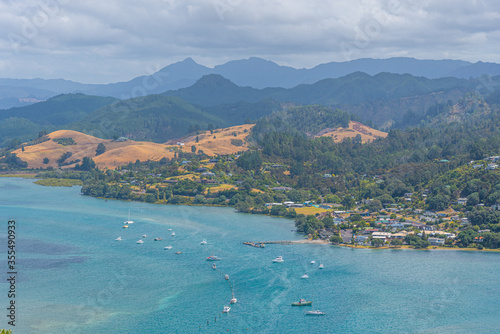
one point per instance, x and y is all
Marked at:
(254, 244)
(261, 244)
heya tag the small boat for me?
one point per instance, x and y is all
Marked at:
(226, 309)
(302, 302)
(304, 276)
(168, 247)
(214, 266)
(144, 236)
(140, 242)
(315, 312)
(233, 300)
(129, 221)
(119, 239)
(178, 252)
(125, 226)
(226, 277)
(158, 239)
(278, 259)
(203, 242)
(173, 234)
(170, 229)
(213, 258)
(313, 262)
(321, 266)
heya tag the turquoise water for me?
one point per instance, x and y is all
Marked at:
(73, 277)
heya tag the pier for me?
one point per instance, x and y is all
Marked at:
(261, 244)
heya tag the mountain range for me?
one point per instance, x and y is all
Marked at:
(381, 100)
(253, 72)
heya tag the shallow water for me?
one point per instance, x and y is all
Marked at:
(73, 277)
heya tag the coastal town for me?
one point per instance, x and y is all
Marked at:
(408, 221)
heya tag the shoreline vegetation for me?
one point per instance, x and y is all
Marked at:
(53, 182)
(63, 182)
(403, 247)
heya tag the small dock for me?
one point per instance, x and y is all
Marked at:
(262, 244)
(254, 244)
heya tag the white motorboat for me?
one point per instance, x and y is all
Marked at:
(226, 309)
(170, 229)
(140, 241)
(226, 277)
(304, 276)
(119, 239)
(315, 312)
(178, 252)
(279, 259)
(203, 242)
(313, 262)
(173, 234)
(144, 236)
(168, 247)
(233, 300)
(321, 266)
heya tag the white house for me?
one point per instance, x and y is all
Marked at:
(436, 241)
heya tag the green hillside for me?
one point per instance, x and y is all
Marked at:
(24, 123)
(382, 98)
(59, 110)
(154, 117)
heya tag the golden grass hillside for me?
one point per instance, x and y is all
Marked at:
(222, 141)
(120, 153)
(367, 134)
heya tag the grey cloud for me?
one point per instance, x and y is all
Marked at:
(117, 35)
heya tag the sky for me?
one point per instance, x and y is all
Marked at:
(116, 40)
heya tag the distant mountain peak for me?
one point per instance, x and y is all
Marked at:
(214, 80)
(188, 60)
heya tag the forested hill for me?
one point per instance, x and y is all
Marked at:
(354, 88)
(58, 110)
(458, 143)
(154, 118)
(25, 123)
(382, 99)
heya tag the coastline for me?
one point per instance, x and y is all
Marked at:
(303, 241)
(404, 247)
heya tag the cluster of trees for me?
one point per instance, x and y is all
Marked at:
(103, 189)
(101, 148)
(308, 224)
(63, 157)
(13, 161)
(470, 237)
(65, 141)
(416, 241)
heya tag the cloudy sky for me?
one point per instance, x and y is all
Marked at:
(115, 40)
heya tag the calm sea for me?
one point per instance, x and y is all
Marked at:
(73, 277)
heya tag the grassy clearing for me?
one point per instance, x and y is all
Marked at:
(220, 187)
(309, 210)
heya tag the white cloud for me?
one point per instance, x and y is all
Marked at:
(104, 41)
